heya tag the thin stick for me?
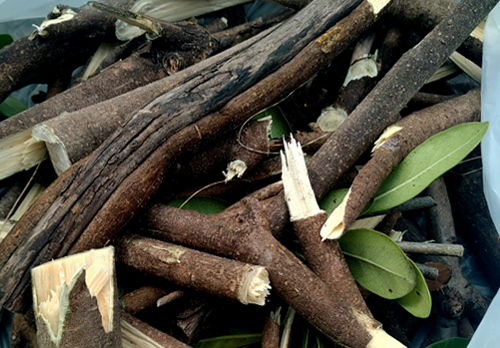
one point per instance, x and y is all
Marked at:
(432, 248)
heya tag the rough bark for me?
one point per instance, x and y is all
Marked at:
(9, 199)
(458, 295)
(22, 332)
(249, 145)
(380, 108)
(143, 298)
(245, 235)
(194, 269)
(271, 331)
(137, 176)
(69, 138)
(424, 100)
(65, 45)
(159, 338)
(390, 151)
(113, 108)
(473, 220)
(422, 16)
(324, 259)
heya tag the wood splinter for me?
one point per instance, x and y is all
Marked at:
(75, 296)
(324, 258)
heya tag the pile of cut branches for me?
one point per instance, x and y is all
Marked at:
(310, 162)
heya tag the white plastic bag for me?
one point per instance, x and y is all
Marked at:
(488, 335)
(12, 10)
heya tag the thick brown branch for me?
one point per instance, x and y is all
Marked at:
(194, 269)
(66, 44)
(243, 234)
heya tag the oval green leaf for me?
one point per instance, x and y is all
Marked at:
(232, 341)
(5, 40)
(419, 301)
(427, 162)
(11, 106)
(454, 342)
(202, 205)
(378, 263)
(280, 126)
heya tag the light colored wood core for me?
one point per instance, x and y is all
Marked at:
(467, 66)
(331, 118)
(53, 281)
(57, 151)
(134, 338)
(378, 5)
(299, 194)
(20, 152)
(258, 286)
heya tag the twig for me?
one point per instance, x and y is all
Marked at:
(432, 249)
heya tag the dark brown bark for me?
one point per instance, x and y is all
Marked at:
(387, 225)
(154, 334)
(78, 136)
(442, 328)
(194, 269)
(472, 217)
(271, 331)
(67, 44)
(381, 107)
(108, 113)
(424, 100)
(234, 36)
(9, 199)
(142, 298)
(326, 260)
(415, 129)
(100, 201)
(422, 16)
(251, 146)
(245, 235)
(458, 295)
(22, 332)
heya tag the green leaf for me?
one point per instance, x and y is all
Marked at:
(201, 205)
(5, 40)
(233, 341)
(427, 162)
(279, 125)
(11, 106)
(454, 342)
(332, 200)
(419, 301)
(378, 263)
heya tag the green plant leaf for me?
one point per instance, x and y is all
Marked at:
(202, 205)
(426, 163)
(419, 301)
(5, 40)
(232, 341)
(11, 106)
(378, 263)
(454, 342)
(279, 125)
(332, 200)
